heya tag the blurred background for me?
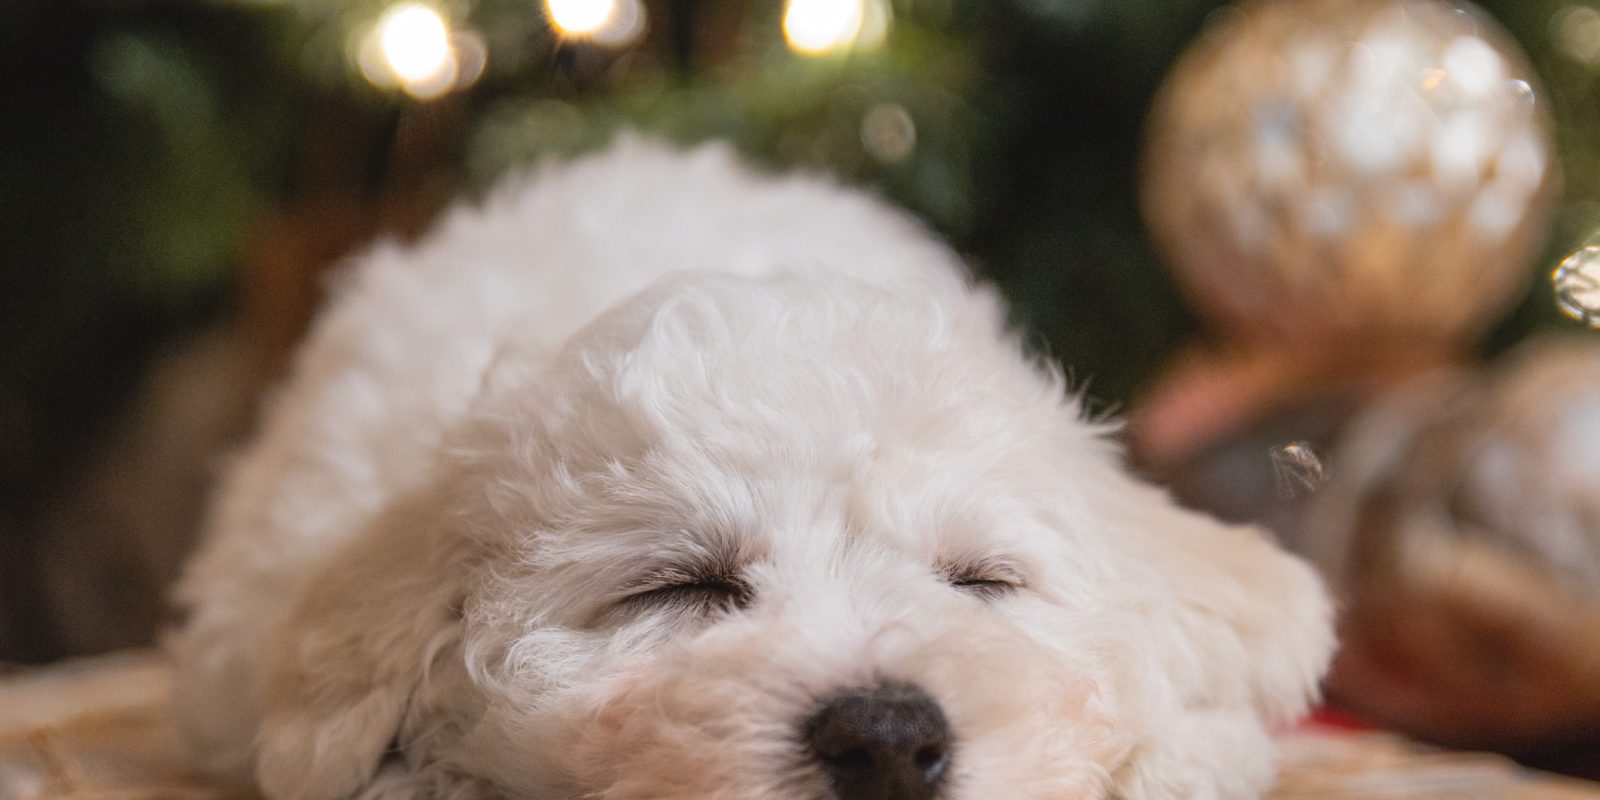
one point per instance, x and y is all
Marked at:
(1330, 259)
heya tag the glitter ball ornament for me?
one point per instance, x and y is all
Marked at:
(1342, 173)
(1461, 525)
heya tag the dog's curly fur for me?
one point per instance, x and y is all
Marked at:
(597, 490)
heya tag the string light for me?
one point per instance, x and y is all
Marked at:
(580, 17)
(816, 27)
(612, 23)
(415, 41)
(411, 47)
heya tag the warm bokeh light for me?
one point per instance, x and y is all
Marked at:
(610, 23)
(580, 17)
(1577, 29)
(415, 41)
(411, 47)
(819, 26)
(625, 27)
(470, 56)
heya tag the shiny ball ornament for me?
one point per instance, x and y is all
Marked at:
(1461, 528)
(1337, 174)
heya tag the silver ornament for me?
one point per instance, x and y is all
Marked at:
(1338, 173)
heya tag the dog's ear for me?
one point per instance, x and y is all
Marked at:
(1247, 622)
(1240, 633)
(343, 667)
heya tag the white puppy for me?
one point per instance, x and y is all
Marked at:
(653, 478)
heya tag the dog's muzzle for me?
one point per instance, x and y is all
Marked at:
(884, 742)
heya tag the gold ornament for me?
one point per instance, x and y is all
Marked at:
(1338, 174)
(1461, 527)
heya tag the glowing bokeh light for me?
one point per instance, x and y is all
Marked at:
(470, 55)
(626, 25)
(415, 41)
(609, 23)
(580, 17)
(1577, 28)
(819, 26)
(412, 48)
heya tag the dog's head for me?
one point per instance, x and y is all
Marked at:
(790, 538)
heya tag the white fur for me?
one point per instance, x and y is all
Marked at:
(412, 582)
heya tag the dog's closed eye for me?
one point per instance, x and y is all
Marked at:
(987, 579)
(700, 594)
(983, 587)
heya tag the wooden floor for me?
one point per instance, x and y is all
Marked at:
(99, 729)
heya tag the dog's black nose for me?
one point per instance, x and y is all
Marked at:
(886, 742)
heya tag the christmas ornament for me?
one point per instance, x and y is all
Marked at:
(1577, 285)
(1338, 173)
(1461, 525)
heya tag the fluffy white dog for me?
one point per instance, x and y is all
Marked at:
(654, 478)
